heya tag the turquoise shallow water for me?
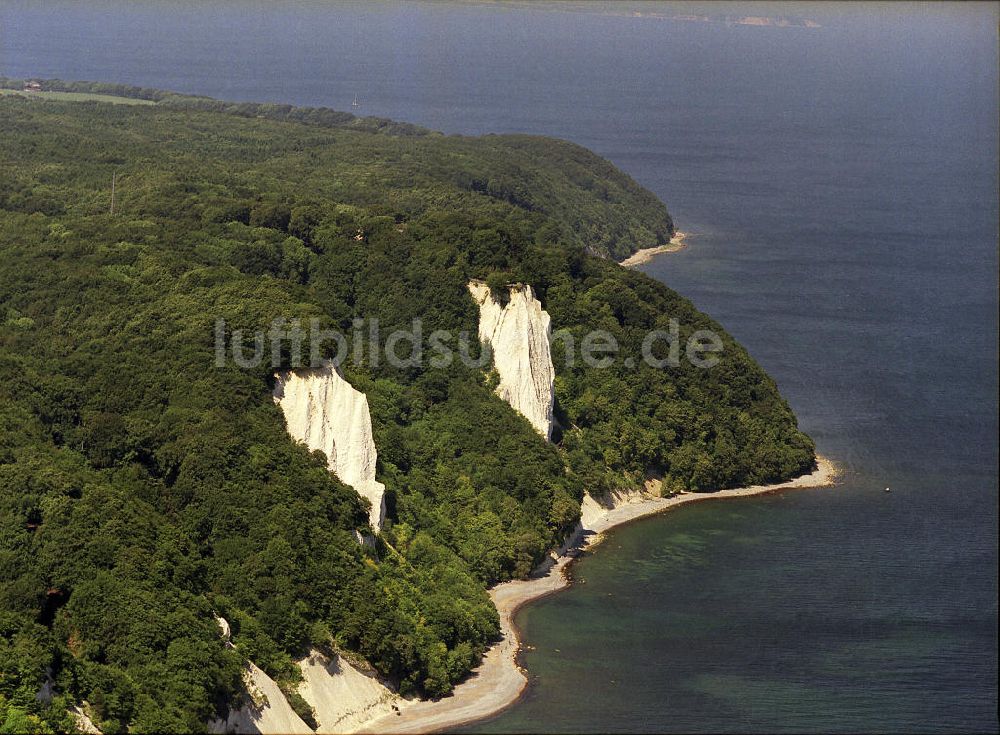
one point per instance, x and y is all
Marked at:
(840, 186)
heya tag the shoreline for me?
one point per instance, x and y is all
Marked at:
(639, 257)
(498, 681)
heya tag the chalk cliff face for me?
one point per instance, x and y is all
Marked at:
(594, 510)
(518, 333)
(325, 412)
(263, 709)
(342, 697)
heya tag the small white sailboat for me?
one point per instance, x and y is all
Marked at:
(355, 103)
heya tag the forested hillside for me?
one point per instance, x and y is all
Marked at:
(582, 198)
(143, 489)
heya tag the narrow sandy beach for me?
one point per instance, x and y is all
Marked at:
(647, 254)
(498, 681)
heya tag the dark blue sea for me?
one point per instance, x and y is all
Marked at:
(839, 186)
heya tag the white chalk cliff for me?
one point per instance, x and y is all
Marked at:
(593, 510)
(518, 334)
(263, 709)
(325, 412)
(343, 697)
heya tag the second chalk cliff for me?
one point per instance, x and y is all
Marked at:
(518, 333)
(325, 412)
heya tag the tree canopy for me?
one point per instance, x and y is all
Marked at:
(144, 490)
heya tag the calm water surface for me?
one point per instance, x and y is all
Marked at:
(840, 185)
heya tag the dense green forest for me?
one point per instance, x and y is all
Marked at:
(143, 489)
(581, 198)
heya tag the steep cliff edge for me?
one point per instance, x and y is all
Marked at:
(263, 708)
(325, 412)
(593, 511)
(518, 333)
(342, 696)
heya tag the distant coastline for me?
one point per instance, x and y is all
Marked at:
(647, 254)
(778, 21)
(498, 681)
